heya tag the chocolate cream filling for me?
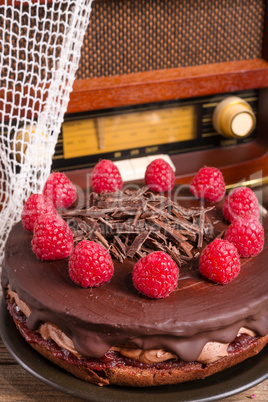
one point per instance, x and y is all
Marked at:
(95, 320)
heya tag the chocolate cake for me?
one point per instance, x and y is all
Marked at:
(113, 334)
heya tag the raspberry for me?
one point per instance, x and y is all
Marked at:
(241, 203)
(247, 236)
(219, 261)
(36, 205)
(60, 190)
(159, 176)
(52, 238)
(155, 275)
(209, 184)
(90, 264)
(106, 177)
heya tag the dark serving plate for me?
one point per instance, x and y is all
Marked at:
(221, 385)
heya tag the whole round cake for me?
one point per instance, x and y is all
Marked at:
(112, 332)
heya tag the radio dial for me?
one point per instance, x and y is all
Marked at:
(233, 117)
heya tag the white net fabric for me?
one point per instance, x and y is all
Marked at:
(40, 43)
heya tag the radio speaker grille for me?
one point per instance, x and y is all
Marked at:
(128, 36)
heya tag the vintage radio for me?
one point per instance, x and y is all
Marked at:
(187, 79)
(184, 79)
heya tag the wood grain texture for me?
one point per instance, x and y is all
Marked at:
(157, 86)
(168, 84)
(16, 384)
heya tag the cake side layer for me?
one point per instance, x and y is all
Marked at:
(211, 352)
(97, 319)
(114, 369)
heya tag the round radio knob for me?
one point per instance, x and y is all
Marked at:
(233, 117)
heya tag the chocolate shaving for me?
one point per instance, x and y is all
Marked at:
(121, 245)
(133, 223)
(174, 254)
(137, 243)
(201, 228)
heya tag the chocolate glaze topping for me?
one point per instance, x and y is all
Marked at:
(96, 319)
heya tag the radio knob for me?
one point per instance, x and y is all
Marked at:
(233, 117)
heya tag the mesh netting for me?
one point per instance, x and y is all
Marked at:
(40, 43)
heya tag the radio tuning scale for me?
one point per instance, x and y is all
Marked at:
(169, 128)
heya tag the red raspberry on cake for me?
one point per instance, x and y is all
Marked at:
(90, 264)
(106, 177)
(36, 205)
(52, 238)
(241, 203)
(60, 190)
(159, 176)
(208, 184)
(219, 261)
(155, 275)
(247, 236)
